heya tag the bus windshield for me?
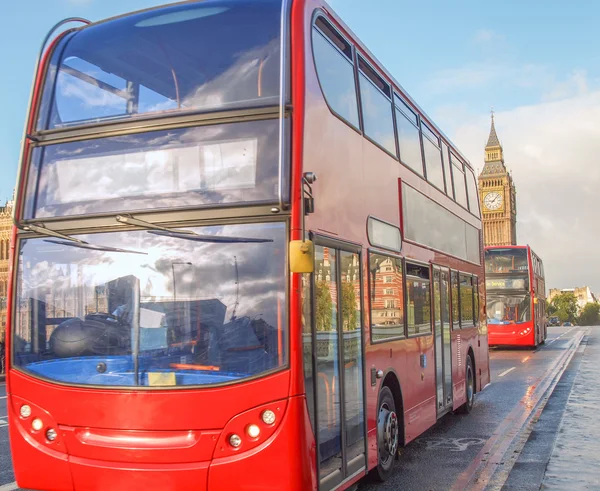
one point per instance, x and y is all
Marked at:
(507, 260)
(508, 309)
(153, 308)
(210, 55)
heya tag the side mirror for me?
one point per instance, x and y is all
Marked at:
(302, 257)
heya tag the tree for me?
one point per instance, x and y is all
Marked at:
(590, 315)
(564, 306)
(349, 312)
(323, 315)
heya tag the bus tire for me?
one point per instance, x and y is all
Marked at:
(467, 407)
(388, 435)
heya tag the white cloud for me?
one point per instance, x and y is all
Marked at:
(552, 149)
(483, 36)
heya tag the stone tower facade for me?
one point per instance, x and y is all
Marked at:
(5, 234)
(497, 196)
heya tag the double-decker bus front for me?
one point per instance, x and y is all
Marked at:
(149, 340)
(514, 303)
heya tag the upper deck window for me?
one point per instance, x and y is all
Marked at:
(335, 69)
(207, 56)
(409, 142)
(473, 195)
(376, 104)
(433, 157)
(509, 260)
(458, 177)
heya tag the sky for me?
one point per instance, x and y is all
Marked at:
(536, 63)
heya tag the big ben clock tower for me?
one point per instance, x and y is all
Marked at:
(497, 195)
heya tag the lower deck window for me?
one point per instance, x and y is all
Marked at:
(418, 299)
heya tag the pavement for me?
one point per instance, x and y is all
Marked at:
(533, 428)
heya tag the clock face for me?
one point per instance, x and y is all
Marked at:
(492, 201)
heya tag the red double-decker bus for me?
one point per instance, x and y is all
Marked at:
(516, 296)
(190, 308)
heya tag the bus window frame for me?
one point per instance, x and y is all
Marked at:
(390, 254)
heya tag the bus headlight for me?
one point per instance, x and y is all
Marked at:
(25, 411)
(37, 424)
(235, 441)
(253, 431)
(268, 417)
(51, 434)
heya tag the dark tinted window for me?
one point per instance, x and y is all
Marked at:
(447, 173)
(455, 300)
(433, 158)
(473, 194)
(458, 177)
(466, 301)
(418, 299)
(409, 143)
(386, 297)
(333, 60)
(222, 164)
(376, 109)
(216, 54)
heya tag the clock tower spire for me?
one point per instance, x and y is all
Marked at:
(497, 195)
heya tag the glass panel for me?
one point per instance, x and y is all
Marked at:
(445, 294)
(473, 194)
(439, 351)
(221, 164)
(328, 369)
(433, 164)
(384, 235)
(508, 309)
(387, 297)
(455, 301)
(307, 346)
(377, 115)
(353, 361)
(476, 300)
(145, 306)
(507, 260)
(430, 224)
(466, 301)
(406, 110)
(409, 143)
(458, 177)
(418, 299)
(447, 174)
(212, 55)
(336, 75)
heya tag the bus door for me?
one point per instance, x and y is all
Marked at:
(338, 362)
(443, 351)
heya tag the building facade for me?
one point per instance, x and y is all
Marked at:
(5, 234)
(583, 294)
(498, 196)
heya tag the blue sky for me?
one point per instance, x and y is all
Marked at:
(537, 63)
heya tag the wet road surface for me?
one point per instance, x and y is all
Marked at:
(466, 451)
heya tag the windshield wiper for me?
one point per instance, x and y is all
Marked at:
(185, 234)
(208, 238)
(129, 220)
(86, 245)
(41, 229)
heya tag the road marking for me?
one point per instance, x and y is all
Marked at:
(525, 359)
(506, 372)
(452, 444)
(3, 397)
(11, 486)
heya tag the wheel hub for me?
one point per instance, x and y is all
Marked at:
(388, 444)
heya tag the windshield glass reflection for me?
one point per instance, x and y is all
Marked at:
(508, 309)
(184, 313)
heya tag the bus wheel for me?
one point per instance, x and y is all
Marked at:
(470, 388)
(388, 432)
